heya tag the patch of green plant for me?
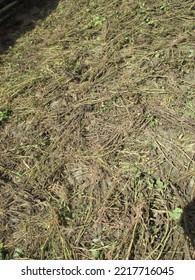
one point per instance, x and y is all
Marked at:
(105, 106)
(18, 253)
(156, 183)
(151, 120)
(144, 177)
(158, 54)
(149, 21)
(163, 6)
(4, 115)
(98, 247)
(97, 20)
(176, 213)
(18, 54)
(191, 53)
(65, 211)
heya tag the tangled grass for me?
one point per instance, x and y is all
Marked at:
(97, 151)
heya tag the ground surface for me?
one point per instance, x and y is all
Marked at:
(97, 126)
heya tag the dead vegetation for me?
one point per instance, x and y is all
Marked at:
(97, 133)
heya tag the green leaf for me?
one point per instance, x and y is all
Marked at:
(17, 253)
(176, 213)
(191, 53)
(160, 184)
(97, 21)
(4, 115)
(95, 254)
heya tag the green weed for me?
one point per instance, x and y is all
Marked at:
(97, 21)
(176, 213)
(191, 53)
(18, 253)
(105, 106)
(152, 120)
(4, 115)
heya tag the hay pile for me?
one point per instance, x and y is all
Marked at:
(97, 133)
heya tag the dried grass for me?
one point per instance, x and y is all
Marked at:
(99, 148)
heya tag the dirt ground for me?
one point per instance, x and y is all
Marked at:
(97, 132)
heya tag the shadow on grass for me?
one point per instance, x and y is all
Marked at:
(188, 221)
(22, 20)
